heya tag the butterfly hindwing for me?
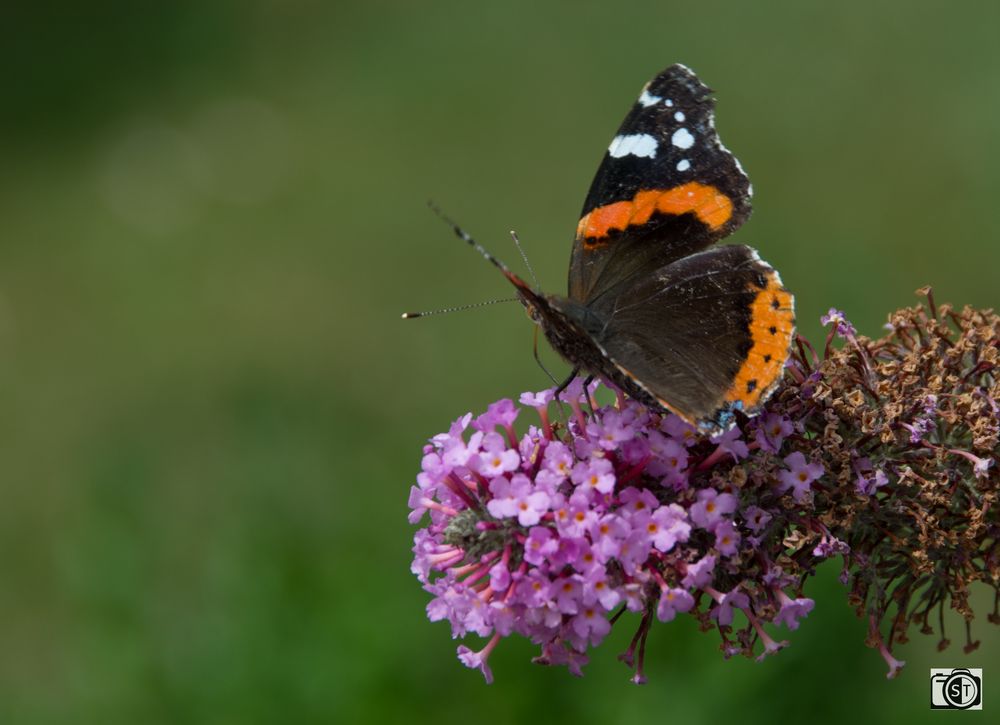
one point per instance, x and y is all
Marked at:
(666, 188)
(702, 336)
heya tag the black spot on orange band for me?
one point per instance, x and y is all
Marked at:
(771, 329)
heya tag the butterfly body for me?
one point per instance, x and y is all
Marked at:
(654, 305)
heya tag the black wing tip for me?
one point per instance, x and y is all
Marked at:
(680, 74)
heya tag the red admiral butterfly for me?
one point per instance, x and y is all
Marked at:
(699, 330)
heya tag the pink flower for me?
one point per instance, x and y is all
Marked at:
(567, 593)
(670, 457)
(841, 326)
(665, 526)
(792, 610)
(606, 535)
(496, 458)
(574, 516)
(711, 506)
(699, 575)
(732, 443)
(723, 612)
(634, 551)
(558, 653)
(478, 660)
(611, 431)
(597, 474)
(540, 544)
(517, 497)
(799, 476)
(558, 459)
(756, 518)
(537, 400)
(457, 452)
(591, 625)
(637, 500)
(772, 431)
(679, 429)
(727, 538)
(502, 413)
(597, 587)
(671, 602)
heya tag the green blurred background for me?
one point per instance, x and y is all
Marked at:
(212, 214)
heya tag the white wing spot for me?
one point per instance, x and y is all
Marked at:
(683, 165)
(682, 139)
(647, 99)
(679, 116)
(636, 144)
(668, 103)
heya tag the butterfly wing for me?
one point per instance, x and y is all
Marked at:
(665, 189)
(702, 336)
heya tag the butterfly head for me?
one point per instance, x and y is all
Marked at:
(535, 303)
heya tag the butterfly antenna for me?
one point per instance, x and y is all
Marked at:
(517, 243)
(474, 305)
(465, 236)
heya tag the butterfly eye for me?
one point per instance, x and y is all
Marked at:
(532, 312)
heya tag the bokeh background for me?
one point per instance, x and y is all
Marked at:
(212, 214)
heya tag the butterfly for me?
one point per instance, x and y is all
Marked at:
(654, 305)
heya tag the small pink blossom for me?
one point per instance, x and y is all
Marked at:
(799, 476)
(711, 506)
(672, 601)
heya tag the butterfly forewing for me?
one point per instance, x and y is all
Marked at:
(665, 189)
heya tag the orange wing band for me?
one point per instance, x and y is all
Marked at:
(772, 325)
(708, 204)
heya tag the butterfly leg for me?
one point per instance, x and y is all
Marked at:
(565, 383)
(539, 360)
(586, 391)
(561, 387)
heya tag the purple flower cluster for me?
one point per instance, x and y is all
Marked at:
(554, 532)
(880, 452)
